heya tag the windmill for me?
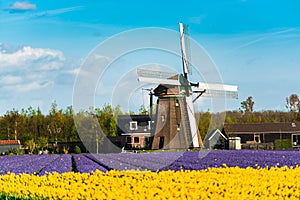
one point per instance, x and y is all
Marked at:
(175, 124)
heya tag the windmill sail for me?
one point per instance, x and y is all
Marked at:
(157, 77)
(211, 90)
(154, 74)
(218, 90)
(192, 121)
(185, 48)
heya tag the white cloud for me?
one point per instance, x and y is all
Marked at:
(260, 38)
(21, 6)
(58, 11)
(34, 58)
(10, 79)
(197, 19)
(73, 71)
(92, 67)
(24, 69)
(25, 87)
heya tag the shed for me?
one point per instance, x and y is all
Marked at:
(265, 133)
(214, 139)
(6, 145)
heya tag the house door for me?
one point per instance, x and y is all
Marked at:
(161, 142)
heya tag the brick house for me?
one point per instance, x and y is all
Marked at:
(136, 129)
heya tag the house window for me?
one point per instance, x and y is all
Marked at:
(163, 118)
(133, 125)
(176, 102)
(136, 140)
(128, 140)
(296, 140)
(257, 138)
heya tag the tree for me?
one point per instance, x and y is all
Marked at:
(42, 142)
(69, 128)
(30, 117)
(55, 121)
(30, 145)
(293, 103)
(118, 111)
(15, 123)
(41, 124)
(107, 120)
(204, 122)
(88, 130)
(143, 110)
(247, 105)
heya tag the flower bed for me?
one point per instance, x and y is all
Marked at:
(34, 164)
(244, 174)
(214, 183)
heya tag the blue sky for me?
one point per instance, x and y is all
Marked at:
(254, 44)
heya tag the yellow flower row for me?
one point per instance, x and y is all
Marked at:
(215, 183)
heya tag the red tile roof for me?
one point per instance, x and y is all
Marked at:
(9, 142)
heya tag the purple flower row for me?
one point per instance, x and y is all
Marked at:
(198, 160)
(29, 164)
(240, 158)
(139, 161)
(40, 165)
(61, 164)
(85, 164)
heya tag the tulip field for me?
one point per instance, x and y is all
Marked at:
(222, 174)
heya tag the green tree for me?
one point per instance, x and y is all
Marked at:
(30, 145)
(204, 122)
(247, 105)
(230, 120)
(107, 120)
(143, 110)
(30, 117)
(15, 122)
(118, 111)
(69, 129)
(41, 124)
(89, 132)
(42, 142)
(55, 122)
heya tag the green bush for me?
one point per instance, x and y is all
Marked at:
(14, 152)
(77, 149)
(283, 144)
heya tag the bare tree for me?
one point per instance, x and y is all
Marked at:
(55, 122)
(293, 103)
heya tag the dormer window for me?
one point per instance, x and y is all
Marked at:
(133, 125)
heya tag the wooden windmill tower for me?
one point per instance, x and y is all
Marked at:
(175, 124)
